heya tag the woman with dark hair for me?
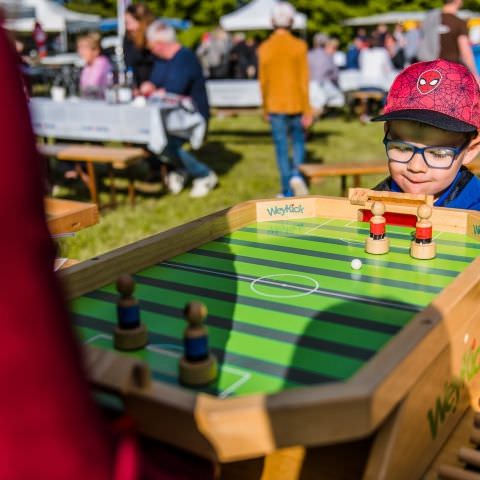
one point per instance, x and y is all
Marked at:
(137, 56)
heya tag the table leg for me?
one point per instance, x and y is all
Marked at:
(111, 178)
(131, 187)
(344, 185)
(92, 183)
(356, 181)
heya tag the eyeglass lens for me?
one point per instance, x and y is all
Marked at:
(439, 157)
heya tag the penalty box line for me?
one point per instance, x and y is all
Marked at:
(174, 351)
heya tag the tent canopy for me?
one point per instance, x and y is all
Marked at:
(398, 17)
(52, 16)
(257, 15)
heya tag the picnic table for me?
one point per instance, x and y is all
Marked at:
(99, 121)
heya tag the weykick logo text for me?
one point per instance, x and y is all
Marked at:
(281, 211)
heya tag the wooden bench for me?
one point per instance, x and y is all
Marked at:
(117, 158)
(316, 172)
(363, 97)
(68, 216)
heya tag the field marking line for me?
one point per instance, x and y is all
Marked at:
(98, 337)
(245, 277)
(169, 350)
(174, 351)
(244, 378)
(308, 232)
(330, 293)
(303, 290)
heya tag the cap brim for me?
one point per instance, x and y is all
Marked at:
(434, 119)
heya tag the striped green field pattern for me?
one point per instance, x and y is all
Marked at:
(285, 307)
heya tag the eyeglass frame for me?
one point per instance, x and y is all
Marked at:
(456, 151)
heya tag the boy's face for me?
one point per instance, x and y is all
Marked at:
(416, 176)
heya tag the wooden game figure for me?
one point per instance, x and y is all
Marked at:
(130, 333)
(198, 366)
(422, 246)
(377, 243)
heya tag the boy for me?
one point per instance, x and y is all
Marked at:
(432, 119)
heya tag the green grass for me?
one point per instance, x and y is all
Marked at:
(240, 150)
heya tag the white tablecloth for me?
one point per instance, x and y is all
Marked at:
(246, 93)
(98, 121)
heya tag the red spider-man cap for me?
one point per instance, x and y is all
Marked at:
(439, 93)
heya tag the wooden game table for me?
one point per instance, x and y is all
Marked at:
(324, 372)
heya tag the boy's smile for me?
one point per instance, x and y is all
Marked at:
(416, 176)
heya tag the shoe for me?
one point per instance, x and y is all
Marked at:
(201, 186)
(175, 182)
(298, 186)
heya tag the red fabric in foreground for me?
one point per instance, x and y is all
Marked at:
(49, 427)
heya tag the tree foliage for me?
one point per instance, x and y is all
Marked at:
(323, 15)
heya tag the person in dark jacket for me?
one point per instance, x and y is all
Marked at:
(177, 70)
(138, 57)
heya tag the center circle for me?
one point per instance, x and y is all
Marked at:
(279, 280)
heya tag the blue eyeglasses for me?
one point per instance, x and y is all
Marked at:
(434, 157)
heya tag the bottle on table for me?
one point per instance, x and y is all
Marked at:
(125, 87)
(111, 89)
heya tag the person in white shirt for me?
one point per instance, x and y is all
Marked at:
(376, 68)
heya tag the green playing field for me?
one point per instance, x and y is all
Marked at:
(285, 307)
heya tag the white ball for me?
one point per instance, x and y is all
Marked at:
(356, 264)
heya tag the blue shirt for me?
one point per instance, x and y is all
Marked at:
(182, 74)
(464, 191)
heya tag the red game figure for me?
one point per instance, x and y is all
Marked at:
(377, 243)
(422, 246)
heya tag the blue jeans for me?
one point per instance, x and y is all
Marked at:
(285, 127)
(185, 160)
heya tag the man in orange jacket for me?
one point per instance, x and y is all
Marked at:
(284, 79)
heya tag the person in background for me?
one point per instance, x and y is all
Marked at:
(454, 42)
(380, 34)
(320, 63)
(362, 35)
(394, 45)
(284, 82)
(243, 57)
(94, 75)
(353, 52)
(474, 36)
(324, 73)
(201, 53)
(412, 41)
(138, 57)
(376, 68)
(40, 38)
(177, 70)
(214, 53)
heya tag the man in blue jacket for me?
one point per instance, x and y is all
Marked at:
(177, 70)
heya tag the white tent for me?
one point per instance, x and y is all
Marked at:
(398, 17)
(52, 16)
(257, 15)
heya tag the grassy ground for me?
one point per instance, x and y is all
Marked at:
(240, 150)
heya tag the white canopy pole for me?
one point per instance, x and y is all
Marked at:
(121, 7)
